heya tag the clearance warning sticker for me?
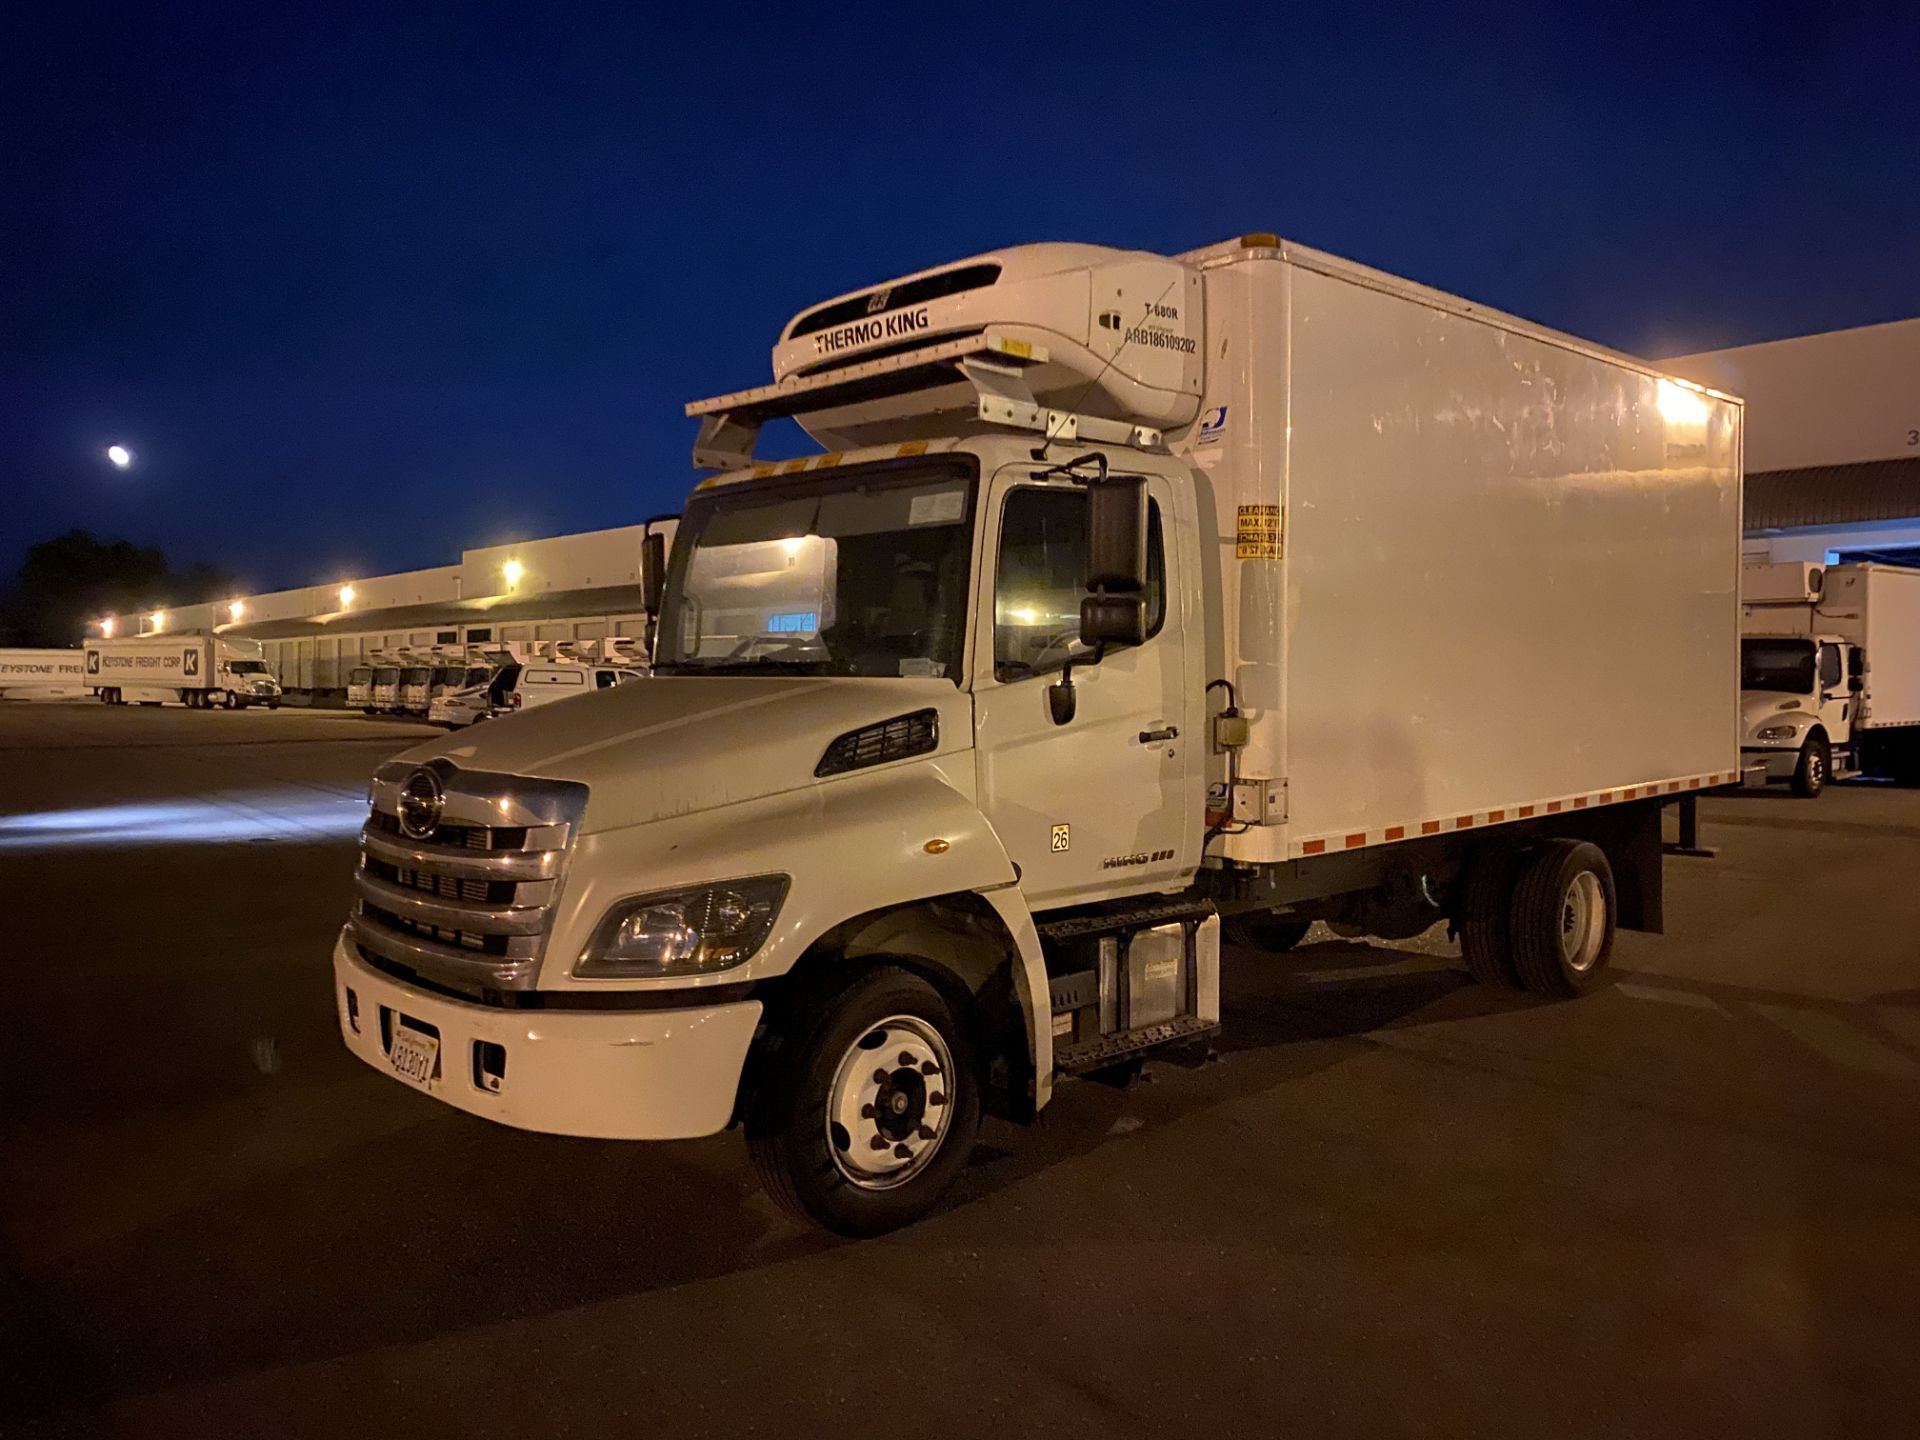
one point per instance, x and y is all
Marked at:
(1256, 533)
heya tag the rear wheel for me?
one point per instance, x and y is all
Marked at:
(1816, 764)
(1562, 918)
(1274, 933)
(1484, 920)
(864, 1113)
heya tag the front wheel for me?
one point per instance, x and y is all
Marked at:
(1816, 764)
(864, 1113)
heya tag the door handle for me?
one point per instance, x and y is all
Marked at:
(1154, 737)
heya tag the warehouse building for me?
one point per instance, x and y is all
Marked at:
(1832, 441)
(569, 589)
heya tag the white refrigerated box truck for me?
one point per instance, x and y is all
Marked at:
(201, 672)
(1134, 595)
(42, 674)
(1829, 673)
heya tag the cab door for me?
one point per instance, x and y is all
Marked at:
(1109, 803)
(1837, 702)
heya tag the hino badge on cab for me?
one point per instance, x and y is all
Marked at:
(1139, 603)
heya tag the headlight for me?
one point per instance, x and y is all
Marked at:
(1774, 732)
(694, 931)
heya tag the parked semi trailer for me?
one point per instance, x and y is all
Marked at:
(1829, 673)
(199, 671)
(42, 674)
(1135, 597)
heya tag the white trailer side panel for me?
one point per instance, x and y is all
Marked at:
(42, 674)
(1510, 568)
(1886, 600)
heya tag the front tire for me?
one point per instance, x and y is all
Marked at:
(864, 1112)
(1816, 764)
(1562, 918)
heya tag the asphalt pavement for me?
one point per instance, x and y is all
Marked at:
(1397, 1204)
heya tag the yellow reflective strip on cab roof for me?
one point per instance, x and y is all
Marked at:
(791, 467)
(1019, 349)
(826, 462)
(761, 472)
(912, 447)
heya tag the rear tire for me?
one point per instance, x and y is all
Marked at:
(1276, 934)
(848, 1127)
(1485, 919)
(1562, 918)
(1816, 764)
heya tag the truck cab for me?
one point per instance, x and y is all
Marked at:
(1799, 700)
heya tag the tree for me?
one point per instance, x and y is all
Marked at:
(74, 578)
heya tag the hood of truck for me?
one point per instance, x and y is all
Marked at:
(674, 745)
(1772, 707)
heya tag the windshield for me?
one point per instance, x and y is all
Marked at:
(1777, 665)
(360, 677)
(248, 667)
(386, 675)
(415, 675)
(861, 573)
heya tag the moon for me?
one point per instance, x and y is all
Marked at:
(120, 456)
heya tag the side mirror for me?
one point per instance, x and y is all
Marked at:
(1855, 684)
(1117, 534)
(1113, 620)
(1062, 700)
(653, 571)
(1115, 611)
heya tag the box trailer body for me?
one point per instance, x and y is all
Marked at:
(198, 671)
(1830, 672)
(1136, 599)
(42, 674)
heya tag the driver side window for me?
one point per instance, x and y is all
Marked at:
(1041, 576)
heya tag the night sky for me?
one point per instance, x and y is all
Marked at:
(364, 284)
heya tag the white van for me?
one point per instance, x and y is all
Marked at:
(546, 681)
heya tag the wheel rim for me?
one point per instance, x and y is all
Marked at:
(1583, 921)
(891, 1103)
(1816, 767)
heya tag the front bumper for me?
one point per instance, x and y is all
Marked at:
(1760, 766)
(604, 1074)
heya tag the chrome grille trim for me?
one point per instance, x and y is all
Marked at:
(462, 862)
(446, 963)
(451, 914)
(501, 839)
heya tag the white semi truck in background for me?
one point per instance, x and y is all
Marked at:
(202, 672)
(1829, 673)
(1135, 597)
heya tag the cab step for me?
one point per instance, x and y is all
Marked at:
(1097, 1054)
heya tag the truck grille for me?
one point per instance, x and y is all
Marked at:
(467, 904)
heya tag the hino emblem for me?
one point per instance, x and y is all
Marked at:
(421, 801)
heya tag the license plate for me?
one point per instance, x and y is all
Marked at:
(413, 1056)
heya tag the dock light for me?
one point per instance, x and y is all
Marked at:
(106, 628)
(1681, 404)
(159, 619)
(513, 570)
(236, 608)
(120, 456)
(346, 596)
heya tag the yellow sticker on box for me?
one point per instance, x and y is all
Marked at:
(1257, 533)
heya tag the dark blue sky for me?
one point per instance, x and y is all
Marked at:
(363, 284)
